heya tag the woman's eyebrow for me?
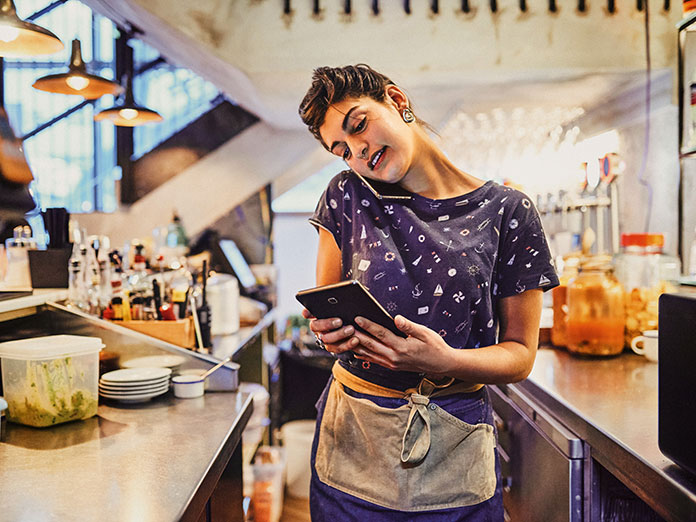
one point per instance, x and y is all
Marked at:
(344, 125)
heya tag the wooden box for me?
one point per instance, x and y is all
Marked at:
(180, 332)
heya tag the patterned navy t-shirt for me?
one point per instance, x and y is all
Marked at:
(441, 263)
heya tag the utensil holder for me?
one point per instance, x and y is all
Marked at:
(49, 268)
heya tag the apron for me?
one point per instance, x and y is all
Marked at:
(416, 457)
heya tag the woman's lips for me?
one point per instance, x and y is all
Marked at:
(377, 158)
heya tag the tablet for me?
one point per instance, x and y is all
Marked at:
(346, 300)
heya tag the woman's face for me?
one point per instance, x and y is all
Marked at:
(370, 136)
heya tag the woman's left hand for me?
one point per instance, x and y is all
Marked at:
(424, 350)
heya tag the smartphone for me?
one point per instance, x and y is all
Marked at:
(346, 300)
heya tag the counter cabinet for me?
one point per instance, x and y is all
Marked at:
(578, 442)
(165, 460)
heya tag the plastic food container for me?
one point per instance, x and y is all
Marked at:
(50, 380)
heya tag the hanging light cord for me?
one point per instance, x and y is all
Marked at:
(644, 162)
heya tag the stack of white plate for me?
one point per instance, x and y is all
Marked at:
(172, 362)
(134, 384)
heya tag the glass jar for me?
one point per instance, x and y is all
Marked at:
(645, 273)
(596, 316)
(559, 297)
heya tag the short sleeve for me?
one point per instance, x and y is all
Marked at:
(329, 211)
(524, 259)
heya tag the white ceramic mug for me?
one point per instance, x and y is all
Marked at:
(649, 342)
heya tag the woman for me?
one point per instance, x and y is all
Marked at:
(405, 427)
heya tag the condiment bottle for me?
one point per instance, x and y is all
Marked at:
(596, 313)
(560, 306)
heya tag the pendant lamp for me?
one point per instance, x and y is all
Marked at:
(19, 38)
(127, 113)
(77, 80)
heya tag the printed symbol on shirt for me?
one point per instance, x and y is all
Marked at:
(363, 234)
(479, 249)
(396, 226)
(526, 203)
(423, 310)
(512, 260)
(434, 205)
(443, 218)
(465, 232)
(477, 301)
(333, 204)
(532, 251)
(490, 324)
(483, 284)
(513, 224)
(446, 314)
(416, 292)
(363, 265)
(365, 203)
(340, 184)
(442, 333)
(393, 288)
(474, 269)
(495, 289)
(347, 218)
(391, 307)
(446, 229)
(452, 272)
(484, 224)
(447, 246)
(378, 276)
(410, 229)
(497, 232)
(346, 196)
(501, 211)
(461, 203)
(429, 270)
(519, 288)
(543, 280)
(374, 244)
(389, 209)
(421, 238)
(503, 200)
(459, 297)
(484, 203)
(415, 263)
(402, 270)
(438, 291)
(460, 327)
(436, 257)
(528, 265)
(389, 256)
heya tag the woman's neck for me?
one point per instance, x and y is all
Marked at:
(434, 176)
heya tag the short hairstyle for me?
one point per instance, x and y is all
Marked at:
(334, 84)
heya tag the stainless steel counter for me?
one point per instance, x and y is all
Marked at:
(155, 461)
(612, 404)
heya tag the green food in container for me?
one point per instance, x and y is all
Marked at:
(50, 380)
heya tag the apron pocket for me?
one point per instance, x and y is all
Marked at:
(359, 453)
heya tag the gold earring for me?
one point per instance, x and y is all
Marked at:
(407, 115)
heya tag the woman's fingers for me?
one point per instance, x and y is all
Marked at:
(319, 326)
(337, 336)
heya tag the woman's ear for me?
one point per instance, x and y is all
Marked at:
(396, 97)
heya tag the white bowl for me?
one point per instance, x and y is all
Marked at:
(188, 386)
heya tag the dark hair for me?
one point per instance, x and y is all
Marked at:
(334, 84)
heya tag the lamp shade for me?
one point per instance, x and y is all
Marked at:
(19, 38)
(77, 80)
(127, 113)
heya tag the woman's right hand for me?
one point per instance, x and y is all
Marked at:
(330, 332)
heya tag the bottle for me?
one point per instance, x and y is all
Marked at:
(76, 281)
(596, 314)
(17, 248)
(138, 280)
(559, 296)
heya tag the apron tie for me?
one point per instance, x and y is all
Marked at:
(416, 440)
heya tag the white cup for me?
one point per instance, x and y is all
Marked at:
(649, 342)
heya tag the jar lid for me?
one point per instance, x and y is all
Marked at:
(50, 347)
(643, 240)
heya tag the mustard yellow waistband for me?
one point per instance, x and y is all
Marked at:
(359, 385)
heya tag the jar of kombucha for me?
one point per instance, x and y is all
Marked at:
(596, 314)
(560, 300)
